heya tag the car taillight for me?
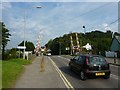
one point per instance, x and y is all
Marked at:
(86, 61)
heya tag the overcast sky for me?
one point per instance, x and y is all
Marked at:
(55, 19)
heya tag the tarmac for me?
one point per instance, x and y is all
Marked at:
(40, 74)
(113, 61)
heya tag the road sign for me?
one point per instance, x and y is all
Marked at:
(21, 47)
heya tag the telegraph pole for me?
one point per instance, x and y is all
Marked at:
(59, 48)
(71, 44)
(84, 29)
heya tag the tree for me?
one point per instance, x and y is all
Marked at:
(48, 45)
(0, 37)
(5, 38)
(99, 40)
(29, 45)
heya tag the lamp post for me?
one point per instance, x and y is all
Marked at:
(82, 49)
(84, 29)
(25, 12)
(38, 7)
(24, 32)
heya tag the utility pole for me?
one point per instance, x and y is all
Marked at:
(24, 32)
(59, 48)
(71, 44)
(84, 29)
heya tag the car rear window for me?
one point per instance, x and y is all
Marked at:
(97, 60)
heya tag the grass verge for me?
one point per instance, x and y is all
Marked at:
(11, 70)
(0, 74)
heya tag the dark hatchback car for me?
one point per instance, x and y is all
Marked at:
(90, 65)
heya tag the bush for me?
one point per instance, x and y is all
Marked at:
(6, 56)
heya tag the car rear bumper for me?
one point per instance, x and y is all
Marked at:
(102, 73)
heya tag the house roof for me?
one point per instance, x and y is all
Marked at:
(113, 47)
(118, 38)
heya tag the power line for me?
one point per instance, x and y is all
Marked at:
(95, 9)
(72, 20)
(76, 18)
(114, 21)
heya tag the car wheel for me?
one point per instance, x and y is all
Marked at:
(106, 77)
(82, 75)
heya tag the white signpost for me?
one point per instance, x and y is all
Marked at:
(21, 48)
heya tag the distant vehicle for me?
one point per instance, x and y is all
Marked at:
(90, 65)
(37, 54)
(48, 54)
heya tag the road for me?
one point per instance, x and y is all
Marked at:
(74, 78)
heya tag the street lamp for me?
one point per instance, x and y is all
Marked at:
(25, 27)
(84, 29)
(38, 7)
(24, 32)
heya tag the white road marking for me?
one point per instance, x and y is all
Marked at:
(114, 76)
(66, 82)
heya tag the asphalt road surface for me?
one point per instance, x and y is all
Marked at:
(76, 82)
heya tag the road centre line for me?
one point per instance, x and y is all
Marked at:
(66, 82)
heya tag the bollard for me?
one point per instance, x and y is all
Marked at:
(42, 65)
(114, 59)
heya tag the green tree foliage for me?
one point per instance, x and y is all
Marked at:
(100, 42)
(5, 38)
(29, 45)
(0, 37)
(10, 54)
(48, 45)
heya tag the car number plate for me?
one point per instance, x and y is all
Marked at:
(98, 74)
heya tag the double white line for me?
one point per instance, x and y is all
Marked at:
(66, 82)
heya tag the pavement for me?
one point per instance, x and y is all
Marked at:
(40, 74)
(113, 61)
